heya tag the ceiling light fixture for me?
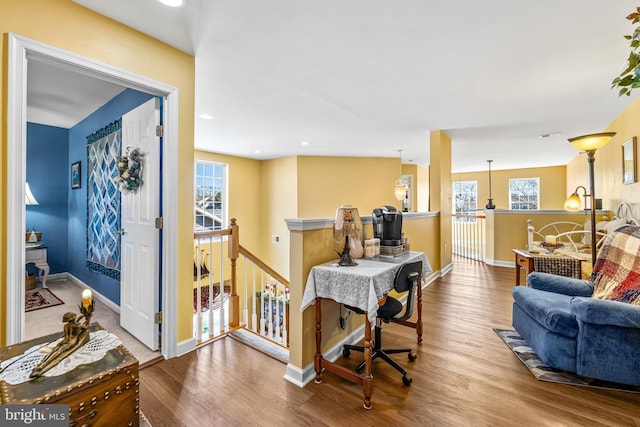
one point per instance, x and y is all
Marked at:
(206, 116)
(547, 135)
(172, 3)
(304, 143)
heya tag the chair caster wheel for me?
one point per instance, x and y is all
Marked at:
(412, 356)
(346, 352)
(406, 380)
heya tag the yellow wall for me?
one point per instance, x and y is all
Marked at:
(279, 201)
(440, 188)
(608, 165)
(552, 185)
(326, 183)
(422, 188)
(69, 26)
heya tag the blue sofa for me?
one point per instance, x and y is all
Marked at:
(571, 331)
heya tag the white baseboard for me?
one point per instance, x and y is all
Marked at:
(447, 268)
(295, 375)
(499, 263)
(185, 347)
(302, 377)
(106, 301)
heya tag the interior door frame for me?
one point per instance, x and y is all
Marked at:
(19, 50)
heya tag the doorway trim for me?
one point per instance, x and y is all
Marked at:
(20, 49)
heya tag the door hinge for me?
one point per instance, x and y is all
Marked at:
(158, 317)
(159, 223)
(160, 131)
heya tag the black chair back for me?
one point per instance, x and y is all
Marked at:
(406, 281)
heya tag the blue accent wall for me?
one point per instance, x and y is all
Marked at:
(47, 175)
(77, 225)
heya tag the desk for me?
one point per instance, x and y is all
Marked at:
(562, 265)
(38, 256)
(360, 286)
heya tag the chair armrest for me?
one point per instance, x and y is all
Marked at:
(560, 284)
(605, 312)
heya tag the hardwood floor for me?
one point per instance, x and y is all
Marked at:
(464, 376)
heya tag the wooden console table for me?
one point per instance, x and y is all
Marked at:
(562, 265)
(38, 256)
(359, 286)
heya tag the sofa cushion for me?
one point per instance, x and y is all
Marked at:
(616, 274)
(551, 310)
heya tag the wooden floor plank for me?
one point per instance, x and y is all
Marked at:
(464, 376)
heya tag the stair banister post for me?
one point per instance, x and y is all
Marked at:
(234, 253)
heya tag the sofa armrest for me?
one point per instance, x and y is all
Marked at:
(560, 284)
(605, 312)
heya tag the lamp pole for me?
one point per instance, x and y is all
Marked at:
(591, 158)
(590, 143)
(490, 204)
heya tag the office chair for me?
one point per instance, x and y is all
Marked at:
(406, 280)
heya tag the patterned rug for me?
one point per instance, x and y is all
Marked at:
(204, 297)
(35, 299)
(543, 372)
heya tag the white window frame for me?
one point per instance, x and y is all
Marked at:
(217, 184)
(527, 197)
(468, 193)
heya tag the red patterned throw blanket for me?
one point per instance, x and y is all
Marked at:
(616, 274)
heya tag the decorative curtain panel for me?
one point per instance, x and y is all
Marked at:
(103, 200)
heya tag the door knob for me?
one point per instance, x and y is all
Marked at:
(121, 232)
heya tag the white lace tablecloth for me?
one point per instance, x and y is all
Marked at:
(359, 286)
(17, 369)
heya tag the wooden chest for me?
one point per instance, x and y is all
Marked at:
(102, 393)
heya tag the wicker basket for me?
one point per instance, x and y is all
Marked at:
(29, 282)
(28, 234)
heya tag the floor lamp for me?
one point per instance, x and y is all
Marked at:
(589, 144)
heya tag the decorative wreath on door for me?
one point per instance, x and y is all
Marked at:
(129, 177)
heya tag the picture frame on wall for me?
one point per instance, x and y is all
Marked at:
(76, 175)
(629, 161)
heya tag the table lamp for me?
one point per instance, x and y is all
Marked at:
(29, 199)
(347, 224)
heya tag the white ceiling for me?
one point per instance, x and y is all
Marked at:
(371, 77)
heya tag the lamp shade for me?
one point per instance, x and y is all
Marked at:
(400, 190)
(29, 199)
(572, 204)
(591, 142)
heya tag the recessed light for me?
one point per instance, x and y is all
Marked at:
(547, 135)
(256, 152)
(172, 3)
(206, 116)
(304, 143)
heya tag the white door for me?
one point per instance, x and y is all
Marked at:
(139, 277)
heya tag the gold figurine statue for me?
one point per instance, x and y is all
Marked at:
(76, 335)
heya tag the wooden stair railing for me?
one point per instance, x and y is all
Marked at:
(269, 301)
(209, 238)
(270, 309)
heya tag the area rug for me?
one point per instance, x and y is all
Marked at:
(263, 345)
(35, 299)
(204, 297)
(543, 372)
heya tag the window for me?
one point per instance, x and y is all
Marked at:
(465, 197)
(524, 194)
(211, 196)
